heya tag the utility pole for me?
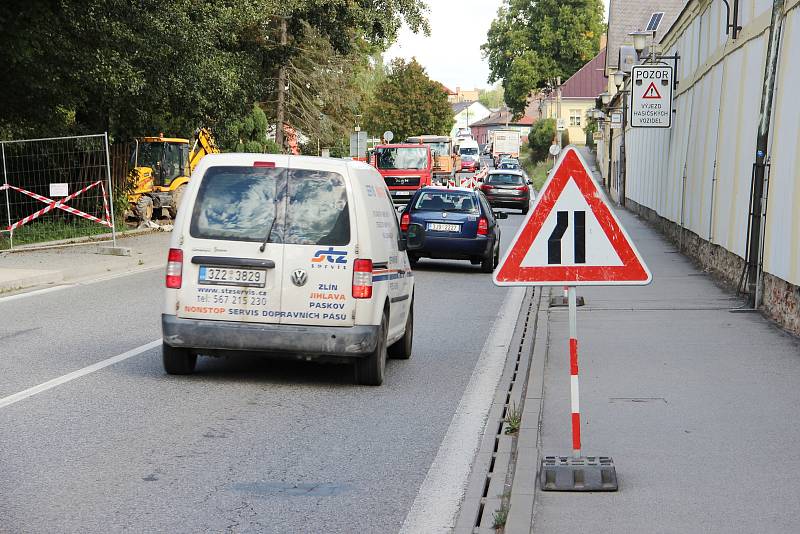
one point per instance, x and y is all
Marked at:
(558, 111)
(280, 114)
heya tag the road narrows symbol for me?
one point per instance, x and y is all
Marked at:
(652, 92)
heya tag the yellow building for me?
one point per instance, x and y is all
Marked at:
(578, 95)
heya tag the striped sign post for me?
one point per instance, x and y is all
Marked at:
(573, 373)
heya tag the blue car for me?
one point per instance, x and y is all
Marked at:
(452, 224)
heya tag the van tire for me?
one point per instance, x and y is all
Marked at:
(371, 368)
(401, 349)
(178, 361)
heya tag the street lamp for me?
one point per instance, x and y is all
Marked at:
(605, 97)
(640, 40)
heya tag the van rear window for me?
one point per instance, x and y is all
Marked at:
(239, 203)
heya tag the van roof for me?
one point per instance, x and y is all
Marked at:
(248, 159)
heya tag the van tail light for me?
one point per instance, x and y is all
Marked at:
(362, 279)
(174, 268)
(405, 220)
(483, 226)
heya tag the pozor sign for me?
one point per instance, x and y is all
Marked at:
(651, 90)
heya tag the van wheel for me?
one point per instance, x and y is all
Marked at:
(370, 369)
(525, 210)
(401, 349)
(178, 361)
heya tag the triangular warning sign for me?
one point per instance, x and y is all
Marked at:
(571, 236)
(651, 91)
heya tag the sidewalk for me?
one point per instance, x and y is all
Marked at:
(697, 406)
(27, 269)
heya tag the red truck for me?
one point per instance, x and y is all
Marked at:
(405, 167)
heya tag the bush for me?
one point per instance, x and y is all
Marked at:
(541, 137)
(591, 127)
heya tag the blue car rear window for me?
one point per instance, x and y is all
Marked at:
(459, 202)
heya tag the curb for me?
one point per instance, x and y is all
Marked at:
(30, 279)
(524, 487)
(81, 240)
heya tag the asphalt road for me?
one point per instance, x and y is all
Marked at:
(244, 445)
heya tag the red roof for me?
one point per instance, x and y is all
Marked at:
(589, 81)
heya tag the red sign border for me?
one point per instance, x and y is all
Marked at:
(633, 271)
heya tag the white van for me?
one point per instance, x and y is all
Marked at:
(287, 255)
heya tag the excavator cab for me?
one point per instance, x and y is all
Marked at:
(168, 159)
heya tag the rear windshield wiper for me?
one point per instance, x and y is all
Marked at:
(274, 217)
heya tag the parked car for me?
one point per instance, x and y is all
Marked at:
(290, 256)
(507, 188)
(454, 224)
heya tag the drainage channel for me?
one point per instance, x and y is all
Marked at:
(486, 502)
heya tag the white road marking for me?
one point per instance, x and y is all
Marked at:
(50, 384)
(437, 503)
(80, 282)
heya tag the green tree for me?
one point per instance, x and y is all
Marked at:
(409, 103)
(541, 138)
(492, 98)
(532, 42)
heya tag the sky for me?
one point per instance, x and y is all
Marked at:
(452, 53)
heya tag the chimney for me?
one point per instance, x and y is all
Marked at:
(603, 40)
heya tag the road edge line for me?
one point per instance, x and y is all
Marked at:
(50, 384)
(438, 500)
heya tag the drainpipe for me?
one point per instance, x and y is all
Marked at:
(758, 202)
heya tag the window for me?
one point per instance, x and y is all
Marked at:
(446, 201)
(239, 204)
(307, 207)
(504, 179)
(575, 117)
(402, 158)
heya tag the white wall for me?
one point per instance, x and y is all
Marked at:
(712, 141)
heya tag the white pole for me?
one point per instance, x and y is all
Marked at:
(8, 204)
(110, 193)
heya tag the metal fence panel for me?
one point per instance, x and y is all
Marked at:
(55, 189)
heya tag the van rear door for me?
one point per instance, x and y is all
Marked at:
(232, 268)
(320, 243)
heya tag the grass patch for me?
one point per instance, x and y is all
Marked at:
(537, 172)
(43, 231)
(499, 518)
(513, 419)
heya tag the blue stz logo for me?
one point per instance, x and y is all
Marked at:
(330, 256)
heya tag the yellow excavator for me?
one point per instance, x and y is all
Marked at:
(160, 169)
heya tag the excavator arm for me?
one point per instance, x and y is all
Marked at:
(204, 144)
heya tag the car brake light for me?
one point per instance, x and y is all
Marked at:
(483, 226)
(267, 164)
(405, 220)
(174, 268)
(362, 279)
(522, 188)
(486, 187)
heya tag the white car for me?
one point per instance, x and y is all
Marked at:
(287, 255)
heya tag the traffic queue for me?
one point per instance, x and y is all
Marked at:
(307, 258)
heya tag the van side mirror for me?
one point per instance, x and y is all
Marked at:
(402, 244)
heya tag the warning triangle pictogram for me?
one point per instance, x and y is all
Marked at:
(651, 91)
(571, 216)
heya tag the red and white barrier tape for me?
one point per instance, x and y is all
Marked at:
(59, 204)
